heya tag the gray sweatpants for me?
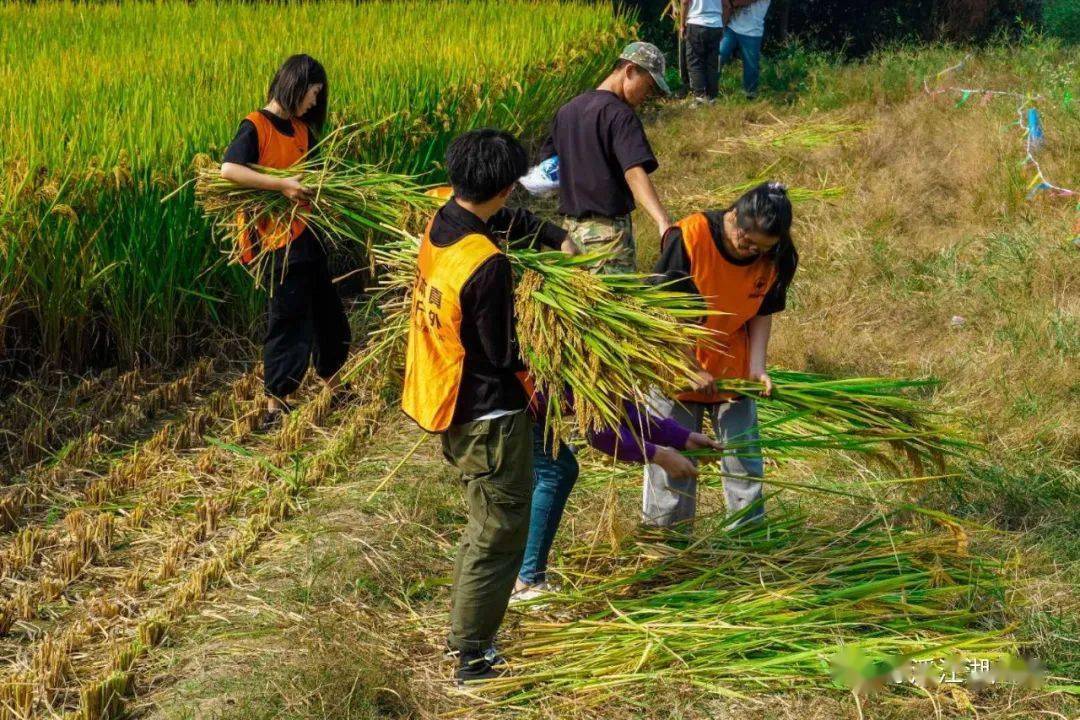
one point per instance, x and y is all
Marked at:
(666, 501)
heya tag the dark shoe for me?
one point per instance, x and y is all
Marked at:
(491, 655)
(271, 420)
(344, 397)
(478, 666)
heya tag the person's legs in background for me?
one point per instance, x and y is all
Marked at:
(553, 479)
(750, 49)
(711, 51)
(729, 43)
(694, 39)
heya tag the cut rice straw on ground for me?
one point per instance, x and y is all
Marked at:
(728, 193)
(756, 608)
(807, 133)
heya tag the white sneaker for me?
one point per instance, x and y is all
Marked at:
(531, 592)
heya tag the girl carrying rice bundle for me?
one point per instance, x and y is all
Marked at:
(306, 323)
(741, 259)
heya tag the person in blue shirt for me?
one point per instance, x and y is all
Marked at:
(744, 26)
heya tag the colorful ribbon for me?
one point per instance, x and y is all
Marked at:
(1028, 120)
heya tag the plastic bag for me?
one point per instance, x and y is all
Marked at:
(542, 179)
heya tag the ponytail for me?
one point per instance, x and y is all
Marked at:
(766, 208)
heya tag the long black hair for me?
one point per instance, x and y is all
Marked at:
(291, 83)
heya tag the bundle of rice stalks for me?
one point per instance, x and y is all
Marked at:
(806, 133)
(808, 412)
(606, 339)
(755, 608)
(349, 201)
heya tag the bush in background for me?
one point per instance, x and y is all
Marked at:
(1061, 18)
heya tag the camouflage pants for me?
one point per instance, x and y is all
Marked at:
(597, 234)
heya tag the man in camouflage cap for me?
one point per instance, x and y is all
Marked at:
(605, 159)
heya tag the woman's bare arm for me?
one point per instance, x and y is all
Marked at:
(243, 175)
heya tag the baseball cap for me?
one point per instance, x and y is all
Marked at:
(649, 58)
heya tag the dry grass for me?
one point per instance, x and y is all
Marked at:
(933, 225)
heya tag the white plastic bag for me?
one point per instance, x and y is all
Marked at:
(542, 179)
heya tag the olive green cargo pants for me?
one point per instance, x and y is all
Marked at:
(495, 460)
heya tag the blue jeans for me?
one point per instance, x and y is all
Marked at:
(553, 478)
(749, 48)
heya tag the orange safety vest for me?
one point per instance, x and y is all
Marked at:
(434, 355)
(440, 192)
(276, 150)
(737, 290)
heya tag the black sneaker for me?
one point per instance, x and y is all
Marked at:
(477, 666)
(271, 420)
(491, 655)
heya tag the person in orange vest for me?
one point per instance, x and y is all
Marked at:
(461, 365)
(741, 259)
(306, 323)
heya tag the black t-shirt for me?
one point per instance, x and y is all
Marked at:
(597, 137)
(674, 264)
(244, 150)
(488, 331)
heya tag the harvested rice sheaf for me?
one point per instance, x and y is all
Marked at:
(808, 412)
(760, 607)
(606, 339)
(349, 201)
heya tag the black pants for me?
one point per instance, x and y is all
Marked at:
(703, 59)
(306, 323)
